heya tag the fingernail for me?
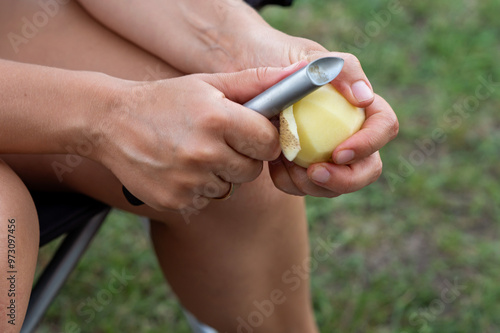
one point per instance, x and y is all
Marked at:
(361, 91)
(344, 156)
(320, 175)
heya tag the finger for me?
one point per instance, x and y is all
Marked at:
(281, 178)
(248, 132)
(251, 134)
(195, 191)
(352, 82)
(381, 126)
(346, 178)
(293, 179)
(242, 86)
(238, 169)
(300, 178)
(214, 188)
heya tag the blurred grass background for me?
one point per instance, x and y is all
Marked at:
(431, 221)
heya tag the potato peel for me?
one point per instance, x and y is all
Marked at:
(289, 136)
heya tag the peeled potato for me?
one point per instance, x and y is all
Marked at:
(312, 128)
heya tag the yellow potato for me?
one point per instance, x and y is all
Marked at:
(312, 128)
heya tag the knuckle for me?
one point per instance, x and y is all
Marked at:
(203, 154)
(268, 136)
(351, 59)
(345, 186)
(370, 142)
(241, 172)
(213, 120)
(206, 154)
(198, 202)
(394, 127)
(378, 170)
(261, 73)
(266, 144)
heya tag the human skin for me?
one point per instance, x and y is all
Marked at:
(19, 238)
(233, 34)
(254, 245)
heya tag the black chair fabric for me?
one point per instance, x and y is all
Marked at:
(60, 213)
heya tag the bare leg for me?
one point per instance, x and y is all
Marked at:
(228, 265)
(18, 249)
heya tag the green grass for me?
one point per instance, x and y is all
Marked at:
(431, 220)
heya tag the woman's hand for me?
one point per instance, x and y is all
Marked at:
(357, 162)
(179, 142)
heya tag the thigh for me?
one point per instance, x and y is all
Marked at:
(67, 37)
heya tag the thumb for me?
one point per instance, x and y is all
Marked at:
(242, 86)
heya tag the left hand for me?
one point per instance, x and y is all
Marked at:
(358, 169)
(357, 162)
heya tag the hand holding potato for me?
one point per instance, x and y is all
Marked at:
(356, 161)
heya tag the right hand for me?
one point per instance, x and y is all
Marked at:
(177, 143)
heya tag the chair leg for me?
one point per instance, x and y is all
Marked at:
(58, 270)
(196, 325)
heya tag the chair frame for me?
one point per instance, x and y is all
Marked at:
(59, 268)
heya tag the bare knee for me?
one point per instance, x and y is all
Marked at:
(19, 237)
